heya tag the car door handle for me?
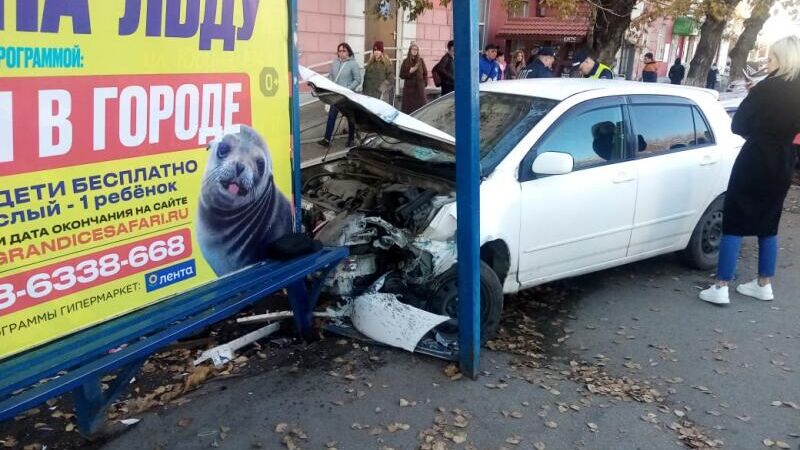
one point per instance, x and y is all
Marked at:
(708, 160)
(623, 177)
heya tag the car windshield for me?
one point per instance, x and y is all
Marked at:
(505, 119)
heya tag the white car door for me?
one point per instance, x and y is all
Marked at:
(580, 221)
(679, 163)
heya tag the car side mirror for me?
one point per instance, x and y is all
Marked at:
(553, 163)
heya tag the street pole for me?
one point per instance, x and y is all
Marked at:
(465, 24)
(295, 116)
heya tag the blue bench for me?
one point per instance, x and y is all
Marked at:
(83, 359)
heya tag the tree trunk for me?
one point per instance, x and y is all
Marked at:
(747, 40)
(612, 21)
(710, 39)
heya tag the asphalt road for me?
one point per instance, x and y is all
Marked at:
(728, 374)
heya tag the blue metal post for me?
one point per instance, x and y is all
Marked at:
(295, 116)
(465, 24)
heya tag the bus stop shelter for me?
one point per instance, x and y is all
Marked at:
(465, 25)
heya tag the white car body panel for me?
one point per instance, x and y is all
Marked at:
(566, 225)
(590, 237)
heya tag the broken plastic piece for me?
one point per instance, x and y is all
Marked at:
(222, 354)
(270, 317)
(385, 319)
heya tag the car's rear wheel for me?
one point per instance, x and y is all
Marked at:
(703, 249)
(444, 300)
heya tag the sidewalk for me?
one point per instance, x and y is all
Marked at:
(313, 118)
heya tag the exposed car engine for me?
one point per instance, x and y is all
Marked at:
(379, 212)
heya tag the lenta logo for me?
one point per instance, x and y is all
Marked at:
(170, 275)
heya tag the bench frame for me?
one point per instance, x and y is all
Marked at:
(78, 362)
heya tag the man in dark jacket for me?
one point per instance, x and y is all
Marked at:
(590, 68)
(711, 79)
(677, 72)
(541, 66)
(445, 69)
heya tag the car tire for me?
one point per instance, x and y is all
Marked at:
(703, 250)
(444, 300)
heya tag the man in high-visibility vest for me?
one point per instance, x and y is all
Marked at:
(590, 68)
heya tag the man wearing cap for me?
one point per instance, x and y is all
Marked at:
(590, 68)
(541, 66)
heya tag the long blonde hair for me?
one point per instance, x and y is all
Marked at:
(385, 59)
(785, 56)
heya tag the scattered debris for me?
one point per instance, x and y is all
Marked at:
(224, 353)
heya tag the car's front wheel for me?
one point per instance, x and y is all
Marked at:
(444, 300)
(703, 249)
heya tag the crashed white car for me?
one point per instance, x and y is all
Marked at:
(576, 176)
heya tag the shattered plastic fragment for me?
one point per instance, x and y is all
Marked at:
(385, 319)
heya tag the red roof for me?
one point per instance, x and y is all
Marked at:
(544, 26)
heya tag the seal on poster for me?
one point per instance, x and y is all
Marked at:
(241, 212)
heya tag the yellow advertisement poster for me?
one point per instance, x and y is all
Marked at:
(144, 150)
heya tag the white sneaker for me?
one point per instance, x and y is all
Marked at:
(716, 295)
(755, 290)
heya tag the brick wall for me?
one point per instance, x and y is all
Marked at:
(431, 31)
(321, 26)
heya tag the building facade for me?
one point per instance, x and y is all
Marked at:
(323, 24)
(534, 25)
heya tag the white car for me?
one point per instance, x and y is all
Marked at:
(576, 176)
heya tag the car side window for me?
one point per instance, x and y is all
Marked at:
(593, 137)
(663, 128)
(702, 133)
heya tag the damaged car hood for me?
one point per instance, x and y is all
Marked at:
(376, 116)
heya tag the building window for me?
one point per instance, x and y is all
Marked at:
(662, 34)
(521, 11)
(483, 5)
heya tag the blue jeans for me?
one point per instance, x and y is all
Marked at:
(351, 129)
(729, 254)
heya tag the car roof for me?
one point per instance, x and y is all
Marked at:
(563, 88)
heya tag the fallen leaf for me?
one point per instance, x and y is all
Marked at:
(397, 426)
(282, 427)
(9, 442)
(539, 446)
(460, 438)
(185, 422)
(451, 370)
(516, 414)
(35, 446)
(679, 413)
(288, 442)
(197, 377)
(550, 424)
(514, 440)
(768, 442)
(70, 427)
(592, 427)
(404, 402)
(781, 444)
(777, 403)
